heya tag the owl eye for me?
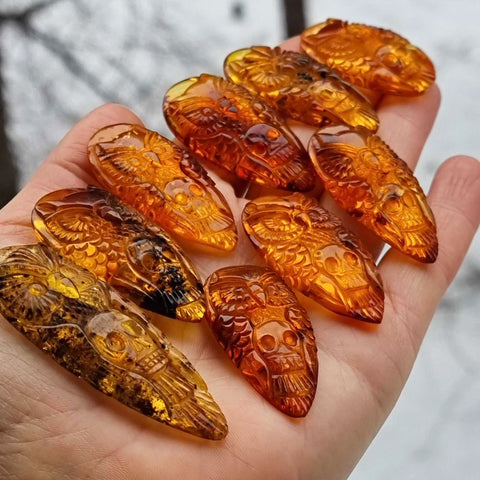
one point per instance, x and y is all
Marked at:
(392, 61)
(268, 342)
(393, 204)
(115, 342)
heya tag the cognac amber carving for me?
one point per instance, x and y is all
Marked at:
(66, 312)
(314, 253)
(375, 186)
(98, 232)
(223, 123)
(258, 321)
(370, 57)
(164, 182)
(300, 88)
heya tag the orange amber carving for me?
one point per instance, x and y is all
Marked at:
(370, 57)
(370, 182)
(257, 319)
(95, 230)
(70, 315)
(314, 253)
(223, 123)
(299, 87)
(164, 182)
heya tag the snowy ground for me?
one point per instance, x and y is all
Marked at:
(76, 54)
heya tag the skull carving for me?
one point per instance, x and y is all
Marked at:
(374, 185)
(267, 334)
(313, 252)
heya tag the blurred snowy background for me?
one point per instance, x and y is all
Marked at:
(61, 58)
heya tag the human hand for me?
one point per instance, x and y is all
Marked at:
(54, 426)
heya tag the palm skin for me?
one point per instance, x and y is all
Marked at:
(53, 425)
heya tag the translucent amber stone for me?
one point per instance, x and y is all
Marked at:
(374, 185)
(223, 123)
(258, 321)
(300, 88)
(164, 182)
(370, 57)
(314, 253)
(66, 312)
(98, 232)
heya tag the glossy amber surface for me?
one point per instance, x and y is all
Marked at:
(314, 253)
(267, 334)
(66, 312)
(370, 57)
(164, 182)
(225, 124)
(300, 88)
(375, 186)
(97, 231)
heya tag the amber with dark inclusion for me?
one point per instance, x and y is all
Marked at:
(313, 252)
(225, 124)
(164, 182)
(267, 334)
(370, 57)
(66, 312)
(369, 181)
(300, 88)
(100, 233)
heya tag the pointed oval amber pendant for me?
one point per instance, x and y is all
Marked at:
(370, 57)
(66, 312)
(94, 229)
(300, 88)
(313, 252)
(223, 123)
(266, 333)
(164, 182)
(370, 182)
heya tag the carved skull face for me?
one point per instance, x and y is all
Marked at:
(125, 342)
(280, 347)
(343, 268)
(189, 199)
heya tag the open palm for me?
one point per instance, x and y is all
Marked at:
(54, 426)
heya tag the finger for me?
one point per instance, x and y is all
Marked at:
(66, 166)
(414, 290)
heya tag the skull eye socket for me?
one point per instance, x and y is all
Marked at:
(196, 190)
(350, 258)
(268, 342)
(290, 338)
(408, 199)
(391, 60)
(115, 342)
(181, 198)
(331, 265)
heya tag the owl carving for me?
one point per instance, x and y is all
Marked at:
(224, 124)
(69, 314)
(164, 182)
(97, 231)
(375, 186)
(314, 253)
(300, 88)
(258, 321)
(370, 57)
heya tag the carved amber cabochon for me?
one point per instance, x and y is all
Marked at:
(94, 229)
(314, 253)
(164, 182)
(267, 334)
(66, 312)
(225, 124)
(370, 57)
(299, 88)
(375, 186)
